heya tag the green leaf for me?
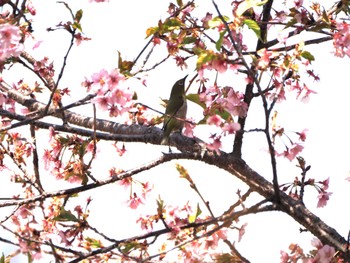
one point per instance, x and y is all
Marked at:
(195, 98)
(2, 259)
(171, 24)
(124, 66)
(179, 3)
(217, 21)
(160, 206)
(205, 56)
(307, 55)
(218, 43)
(192, 218)
(325, 17)
(189, 40)
(151, 31)
(244, 6)
(77, 26)
(253, 25)
(127, 247)
(78, 15)
(65, 216)
(93, 242)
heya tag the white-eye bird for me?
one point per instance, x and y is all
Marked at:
(176, 109)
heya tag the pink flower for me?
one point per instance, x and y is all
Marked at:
(31, 8)
(241, 231)
(215, 145)
(291, 153)
(112, 96)
(325, 184)
(232, 101)
(189, 126)
(146, 189)
(298, 3)
(219, 65)
(126, 182)
(213, 241)
(341, 40)
(214, 120)
(206, 19)
(102, 102)
(284, 257)
(231, 128)
(264, 59)
(323, 198)
(324, 254)
(304, 94)
(282, 36)
(302, 135)
(316, 243)
(114, 78)
(100, 78)
(134, 201)
(10, 41)
(146, 222)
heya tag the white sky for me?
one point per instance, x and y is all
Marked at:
(121, 26)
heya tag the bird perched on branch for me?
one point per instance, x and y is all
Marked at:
(176, 109)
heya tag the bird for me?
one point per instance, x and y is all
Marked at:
(175, 111)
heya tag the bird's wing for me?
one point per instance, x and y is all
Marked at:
(171, 111)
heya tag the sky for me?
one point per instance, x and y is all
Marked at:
(121, 26)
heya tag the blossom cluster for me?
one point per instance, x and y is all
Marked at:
(322, 253)
(10, 37)
(111, 95)
(341, 40)
(222, 105)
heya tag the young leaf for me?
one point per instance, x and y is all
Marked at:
(218, 43)
(244, 6)
(192, 218)
(78, 15)
(65, 215)
(195, 98)
(216, 21)
(307, 55)
(253, 25)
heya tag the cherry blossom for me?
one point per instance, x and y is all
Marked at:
(10, 45)
(342, 40)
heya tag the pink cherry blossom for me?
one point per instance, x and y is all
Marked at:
(233, 103)
(284, 257)
(112, 96)
(265, 57)
(134, 201)
(323, 198)
(302, 135)
(215, 145)
(325, 254)
(325, 184)
(231, 128)
(214, 120)
(241, 231)
(188, 128)
(31, 8)
(282, 36)
(341, 40)
(10, 45)
(292, 152)
(146, 222)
